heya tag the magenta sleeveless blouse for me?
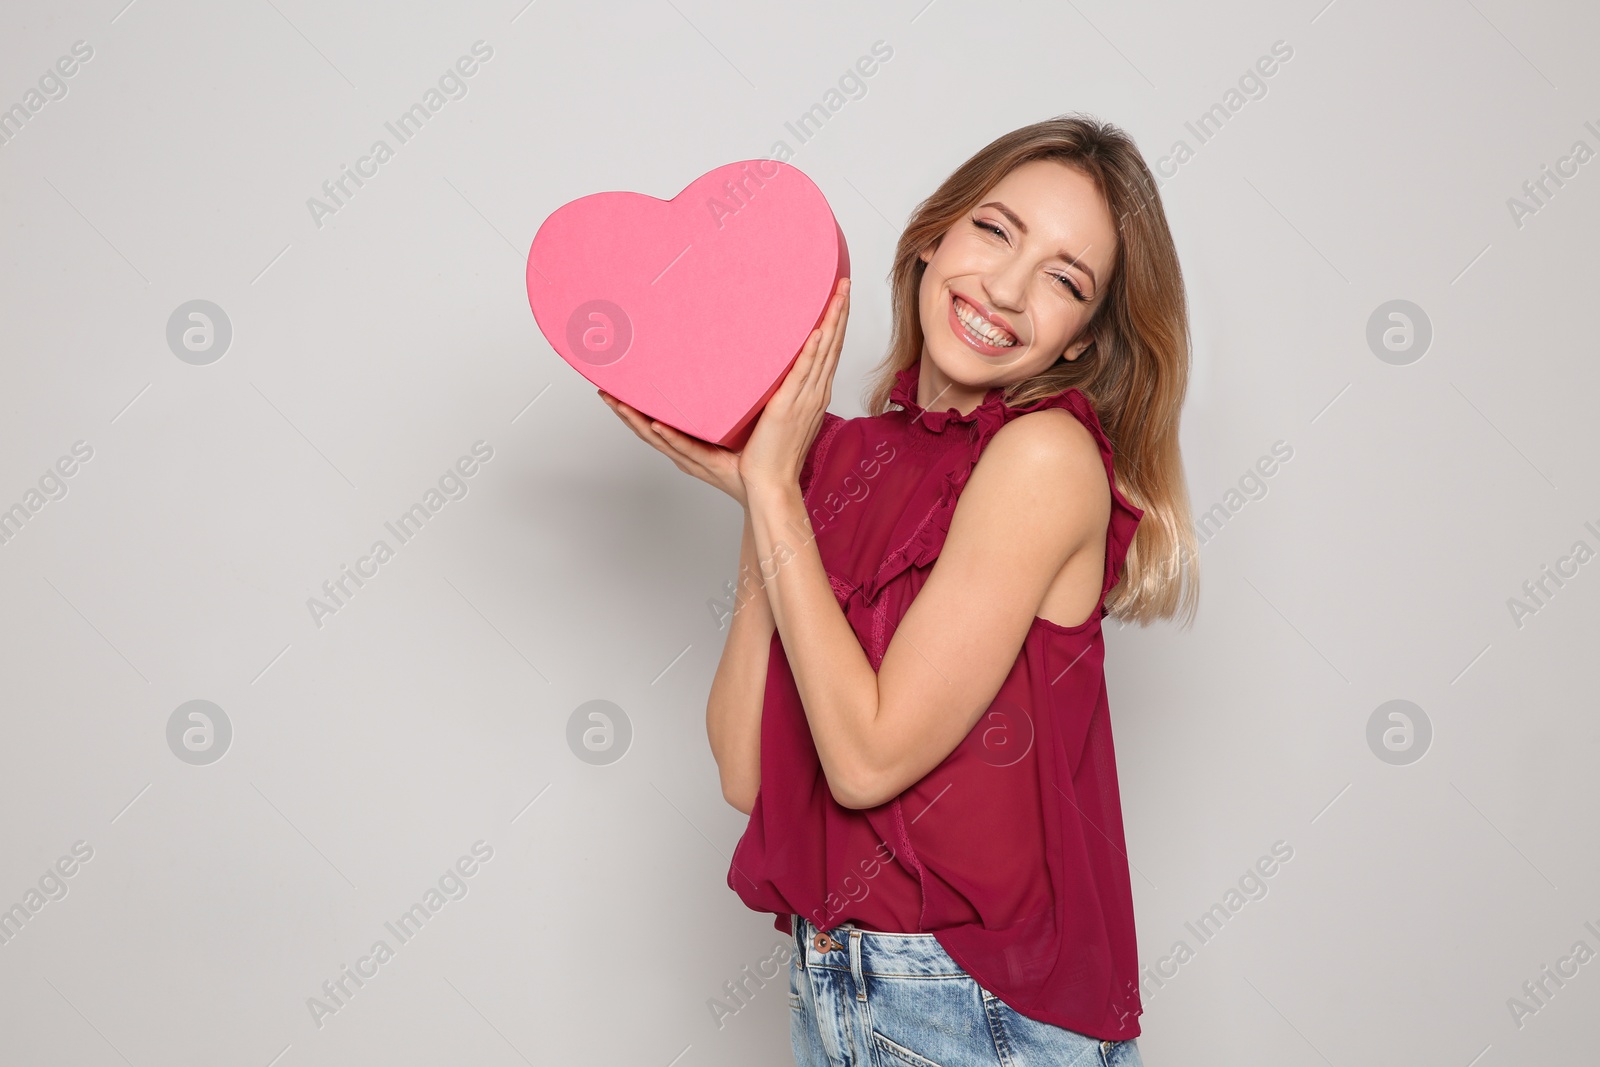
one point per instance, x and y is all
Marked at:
(1010, 852)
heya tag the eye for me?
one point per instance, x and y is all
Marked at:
(1069, 284)
(989, 227)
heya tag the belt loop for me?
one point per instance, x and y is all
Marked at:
(855, 965)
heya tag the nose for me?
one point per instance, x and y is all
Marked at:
(1005, 284)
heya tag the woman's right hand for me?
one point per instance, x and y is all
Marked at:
(712, 464)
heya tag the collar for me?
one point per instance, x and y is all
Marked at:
(990, 410)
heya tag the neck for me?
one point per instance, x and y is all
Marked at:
(936, 392)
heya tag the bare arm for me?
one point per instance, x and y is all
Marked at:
(733, 710)
(1037, 495)
(776, 449)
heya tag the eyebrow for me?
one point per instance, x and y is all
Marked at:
(1022, 228)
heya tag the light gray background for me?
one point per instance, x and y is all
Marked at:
(432, 711)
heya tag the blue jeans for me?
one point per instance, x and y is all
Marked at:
(863, 998)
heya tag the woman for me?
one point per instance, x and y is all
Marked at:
(911, 705)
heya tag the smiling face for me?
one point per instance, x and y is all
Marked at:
(1011, 285)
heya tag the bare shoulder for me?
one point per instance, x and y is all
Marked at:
(1041, 476)
(1052, 446)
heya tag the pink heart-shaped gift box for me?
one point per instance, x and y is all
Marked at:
(692, 309)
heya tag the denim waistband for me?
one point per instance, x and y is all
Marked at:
(853, 948)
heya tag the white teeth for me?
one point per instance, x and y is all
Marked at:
(981, 328)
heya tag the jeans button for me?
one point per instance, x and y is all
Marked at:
(823, 942)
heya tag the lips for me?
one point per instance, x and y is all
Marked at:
(984, 313)
(983, 348)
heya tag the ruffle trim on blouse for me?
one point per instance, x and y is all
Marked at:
(925, 542)
(989, 413)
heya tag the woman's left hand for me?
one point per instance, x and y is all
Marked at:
(781, 440)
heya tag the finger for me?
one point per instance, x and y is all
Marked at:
(637, 420)
(824, 333)
(824, 338)
(684, 462)
(687, 453)
(691, 448)
(629, 416)
(830, 323)
(643, 429)
(795, 380)
(692, 466)
(820, 382)
(843, 317)
(614, 404)
(834, 357)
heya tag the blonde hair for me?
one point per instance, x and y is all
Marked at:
(1135, 372)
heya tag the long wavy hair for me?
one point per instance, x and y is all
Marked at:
(1135, 372)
